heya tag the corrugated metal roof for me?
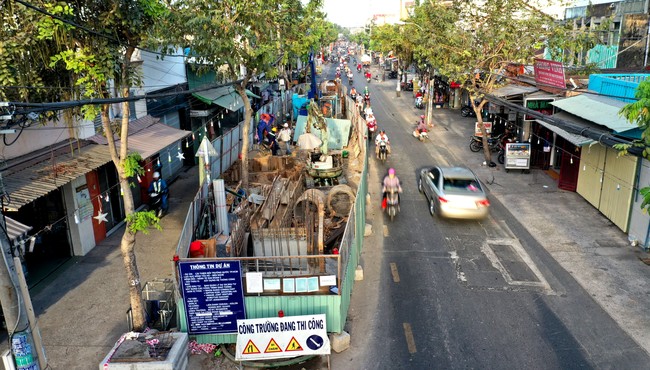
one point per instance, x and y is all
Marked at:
(225, 97)
(147, 136)
(597, 109)
(15, 229)
(512, 90)
(36, 178)
(577, 140)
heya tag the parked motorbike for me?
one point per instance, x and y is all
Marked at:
(407, 86)
(476, 143)
(419, 104)
(467, 111)
(383, 151)
(392, 203)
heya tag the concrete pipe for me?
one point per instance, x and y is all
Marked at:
(310, 198)
(340, 200)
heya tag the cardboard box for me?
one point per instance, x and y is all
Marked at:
(209, 247)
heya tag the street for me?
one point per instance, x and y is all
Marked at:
(464, 294)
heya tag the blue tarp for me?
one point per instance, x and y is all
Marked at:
(339, 131)
(297, 102)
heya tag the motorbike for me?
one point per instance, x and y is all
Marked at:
(383, 151)
(392, 203)
(366, 99)
(407, 86)
(350, 78)
(392, 75)
(354, 97)
(155, 204)
(358, 69)
(368, 79)
(467, 111)
(419, 104)
(421, 135)
(372, 127)
(476, 143)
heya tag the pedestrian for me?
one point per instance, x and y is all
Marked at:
(159, 188)
(285, 138)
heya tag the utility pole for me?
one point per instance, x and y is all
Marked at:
(430, 101)
(13, 308)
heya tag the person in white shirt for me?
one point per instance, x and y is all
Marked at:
(285, 138)
(382, 137)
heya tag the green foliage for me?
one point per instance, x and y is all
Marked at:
(131, 165)
(638, 113)
(142, 222)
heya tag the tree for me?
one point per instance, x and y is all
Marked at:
(95, 61)
(638, 113)
(473, 43)
(234, 34)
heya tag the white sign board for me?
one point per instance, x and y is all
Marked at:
(282, 337)
(477, 128)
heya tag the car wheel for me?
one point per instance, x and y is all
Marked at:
(420, 184)
(432, 207)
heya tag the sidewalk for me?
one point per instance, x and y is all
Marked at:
(82, 309)
(581, 239)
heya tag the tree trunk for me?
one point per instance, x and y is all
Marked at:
(248, 114)
(127, 244)
(484, 135)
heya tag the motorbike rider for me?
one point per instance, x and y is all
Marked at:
(159, 188)
(368, 75)
(382, 137)
(358, 67)
(422, 126)
(353, 93)
(391, 182)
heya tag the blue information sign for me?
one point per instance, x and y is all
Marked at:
(213, 296)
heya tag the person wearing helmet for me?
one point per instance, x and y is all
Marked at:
(422, 126)
(391, 182)
(382, 137)
(158, 187)
(285, 138)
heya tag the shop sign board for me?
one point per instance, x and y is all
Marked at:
(550, 73)
(542, 106)
(477, 128)
(282, 337)
(517, 156)
(213, 296)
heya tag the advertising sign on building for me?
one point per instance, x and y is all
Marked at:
(477, 128)
(282, 337)
(549, 73)
(213, 296)
(542, 106)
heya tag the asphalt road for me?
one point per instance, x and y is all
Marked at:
(441, 294)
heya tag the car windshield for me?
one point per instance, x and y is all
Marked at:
(461, 185)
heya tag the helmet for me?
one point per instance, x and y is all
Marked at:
(274, 129)
(156, 175)
(382, 131)
(422, 116)
(285, 125)
(391, 171)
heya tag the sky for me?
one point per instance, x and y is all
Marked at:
(355, 13)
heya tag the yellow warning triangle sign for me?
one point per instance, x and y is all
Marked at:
(250, 349)
(293, 345)
(272, 347)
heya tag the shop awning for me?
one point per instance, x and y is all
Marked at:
(16, 230)
(577, 140)
(513, 90)
(597, 109)
(36, 177)
(147, 136)
(225, 97)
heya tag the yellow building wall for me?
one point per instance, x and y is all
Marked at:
(618, 187)
(592, 166)
(606, 181)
